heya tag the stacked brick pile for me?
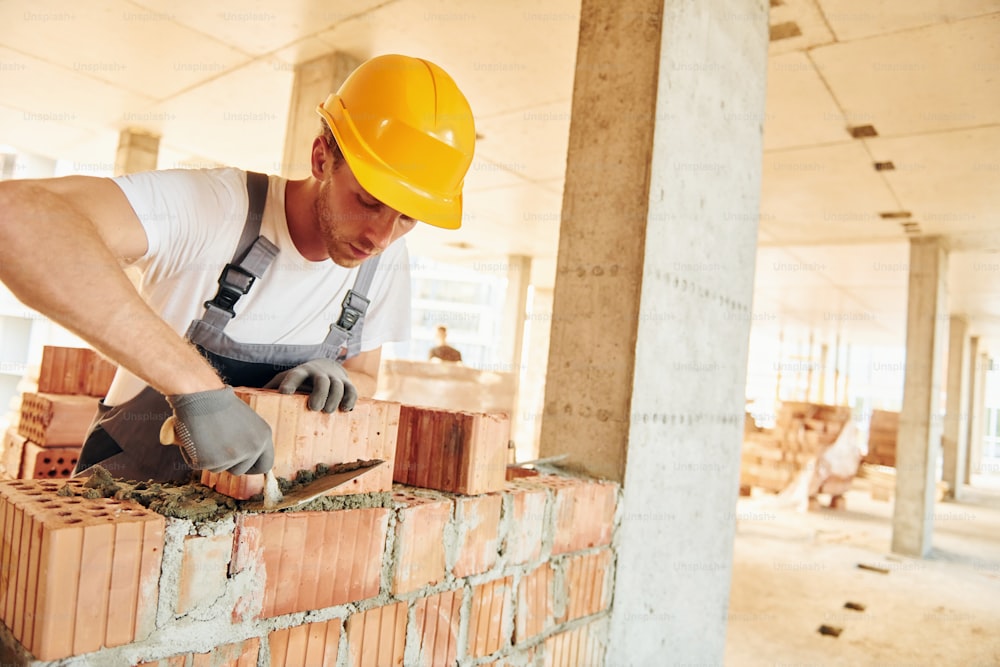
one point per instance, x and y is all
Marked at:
(882, 432)
(53, 421)
(772, 458)
(519, 572)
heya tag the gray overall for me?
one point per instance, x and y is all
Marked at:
(125, 439)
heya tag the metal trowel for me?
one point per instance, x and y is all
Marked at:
(274, 500)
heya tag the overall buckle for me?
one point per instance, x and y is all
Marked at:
(234, 282)
(353, 307)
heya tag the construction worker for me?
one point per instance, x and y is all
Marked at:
(442, 351)
(245, 279)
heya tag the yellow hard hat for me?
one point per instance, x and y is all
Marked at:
(407, 133)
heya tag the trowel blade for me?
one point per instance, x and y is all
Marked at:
(313, 490)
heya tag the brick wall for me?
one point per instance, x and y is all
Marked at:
(520, 576)
(434, 558)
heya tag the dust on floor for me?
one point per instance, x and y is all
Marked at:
(796, 571)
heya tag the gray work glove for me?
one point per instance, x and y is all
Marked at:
(218, 432)
(326, 382)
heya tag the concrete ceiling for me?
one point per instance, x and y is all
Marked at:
(924, 74)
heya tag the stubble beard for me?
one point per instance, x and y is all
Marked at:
(332, 238)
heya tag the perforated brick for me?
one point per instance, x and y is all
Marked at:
(48, 462)
(80, 573)
(56, 420)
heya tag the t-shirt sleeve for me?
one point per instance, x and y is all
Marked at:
(388, 316)
(183, 211)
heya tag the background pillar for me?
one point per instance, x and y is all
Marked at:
(919, 419)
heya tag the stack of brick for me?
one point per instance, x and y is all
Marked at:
(882, 432)
(53, 421)
(772, 458)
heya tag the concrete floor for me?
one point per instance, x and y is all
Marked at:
(794, 571)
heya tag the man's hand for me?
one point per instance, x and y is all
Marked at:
(326, 382)
(218, 432)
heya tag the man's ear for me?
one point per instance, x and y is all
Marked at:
(319, 157)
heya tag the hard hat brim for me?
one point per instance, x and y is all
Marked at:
(442, 210)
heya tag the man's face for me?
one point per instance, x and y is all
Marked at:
(354, 224)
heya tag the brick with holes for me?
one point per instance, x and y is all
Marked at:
(48, 462)
(81, 573)
(56, 420)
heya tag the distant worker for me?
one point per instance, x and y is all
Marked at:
(443, 351)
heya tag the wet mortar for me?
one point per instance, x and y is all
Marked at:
(196, 502)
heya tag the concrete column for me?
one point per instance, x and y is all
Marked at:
(314, 80)
(514, 308)
(956, 417)
(981, 364)
(919, 419)
(137, 151)
(512, 332)
(823, 352)
(977, 401)
(652, 303)
(532, 389)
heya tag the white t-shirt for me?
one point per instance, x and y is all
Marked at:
(193, 221)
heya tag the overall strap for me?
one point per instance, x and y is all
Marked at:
(253, 255)
(345, 334)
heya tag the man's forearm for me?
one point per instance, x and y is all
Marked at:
(54, 260)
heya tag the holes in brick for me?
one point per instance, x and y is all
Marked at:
(64, 514)
(73, 521)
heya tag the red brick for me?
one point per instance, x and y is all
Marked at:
(311, 560)
(460, 452)
(576, 648)
(488, 617)
(56, 420)
(437, 619)
(239, 654)
(588, 585)
(304, 438)
(48, 462)
(517, 472)
(523, 540)
(377, 637)
(204, 570)
(81, 574)
(12, 453)
(306, 645)
(74, 370)
(534, 603)
(420, 555)
(478, 521)
(584, 511)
